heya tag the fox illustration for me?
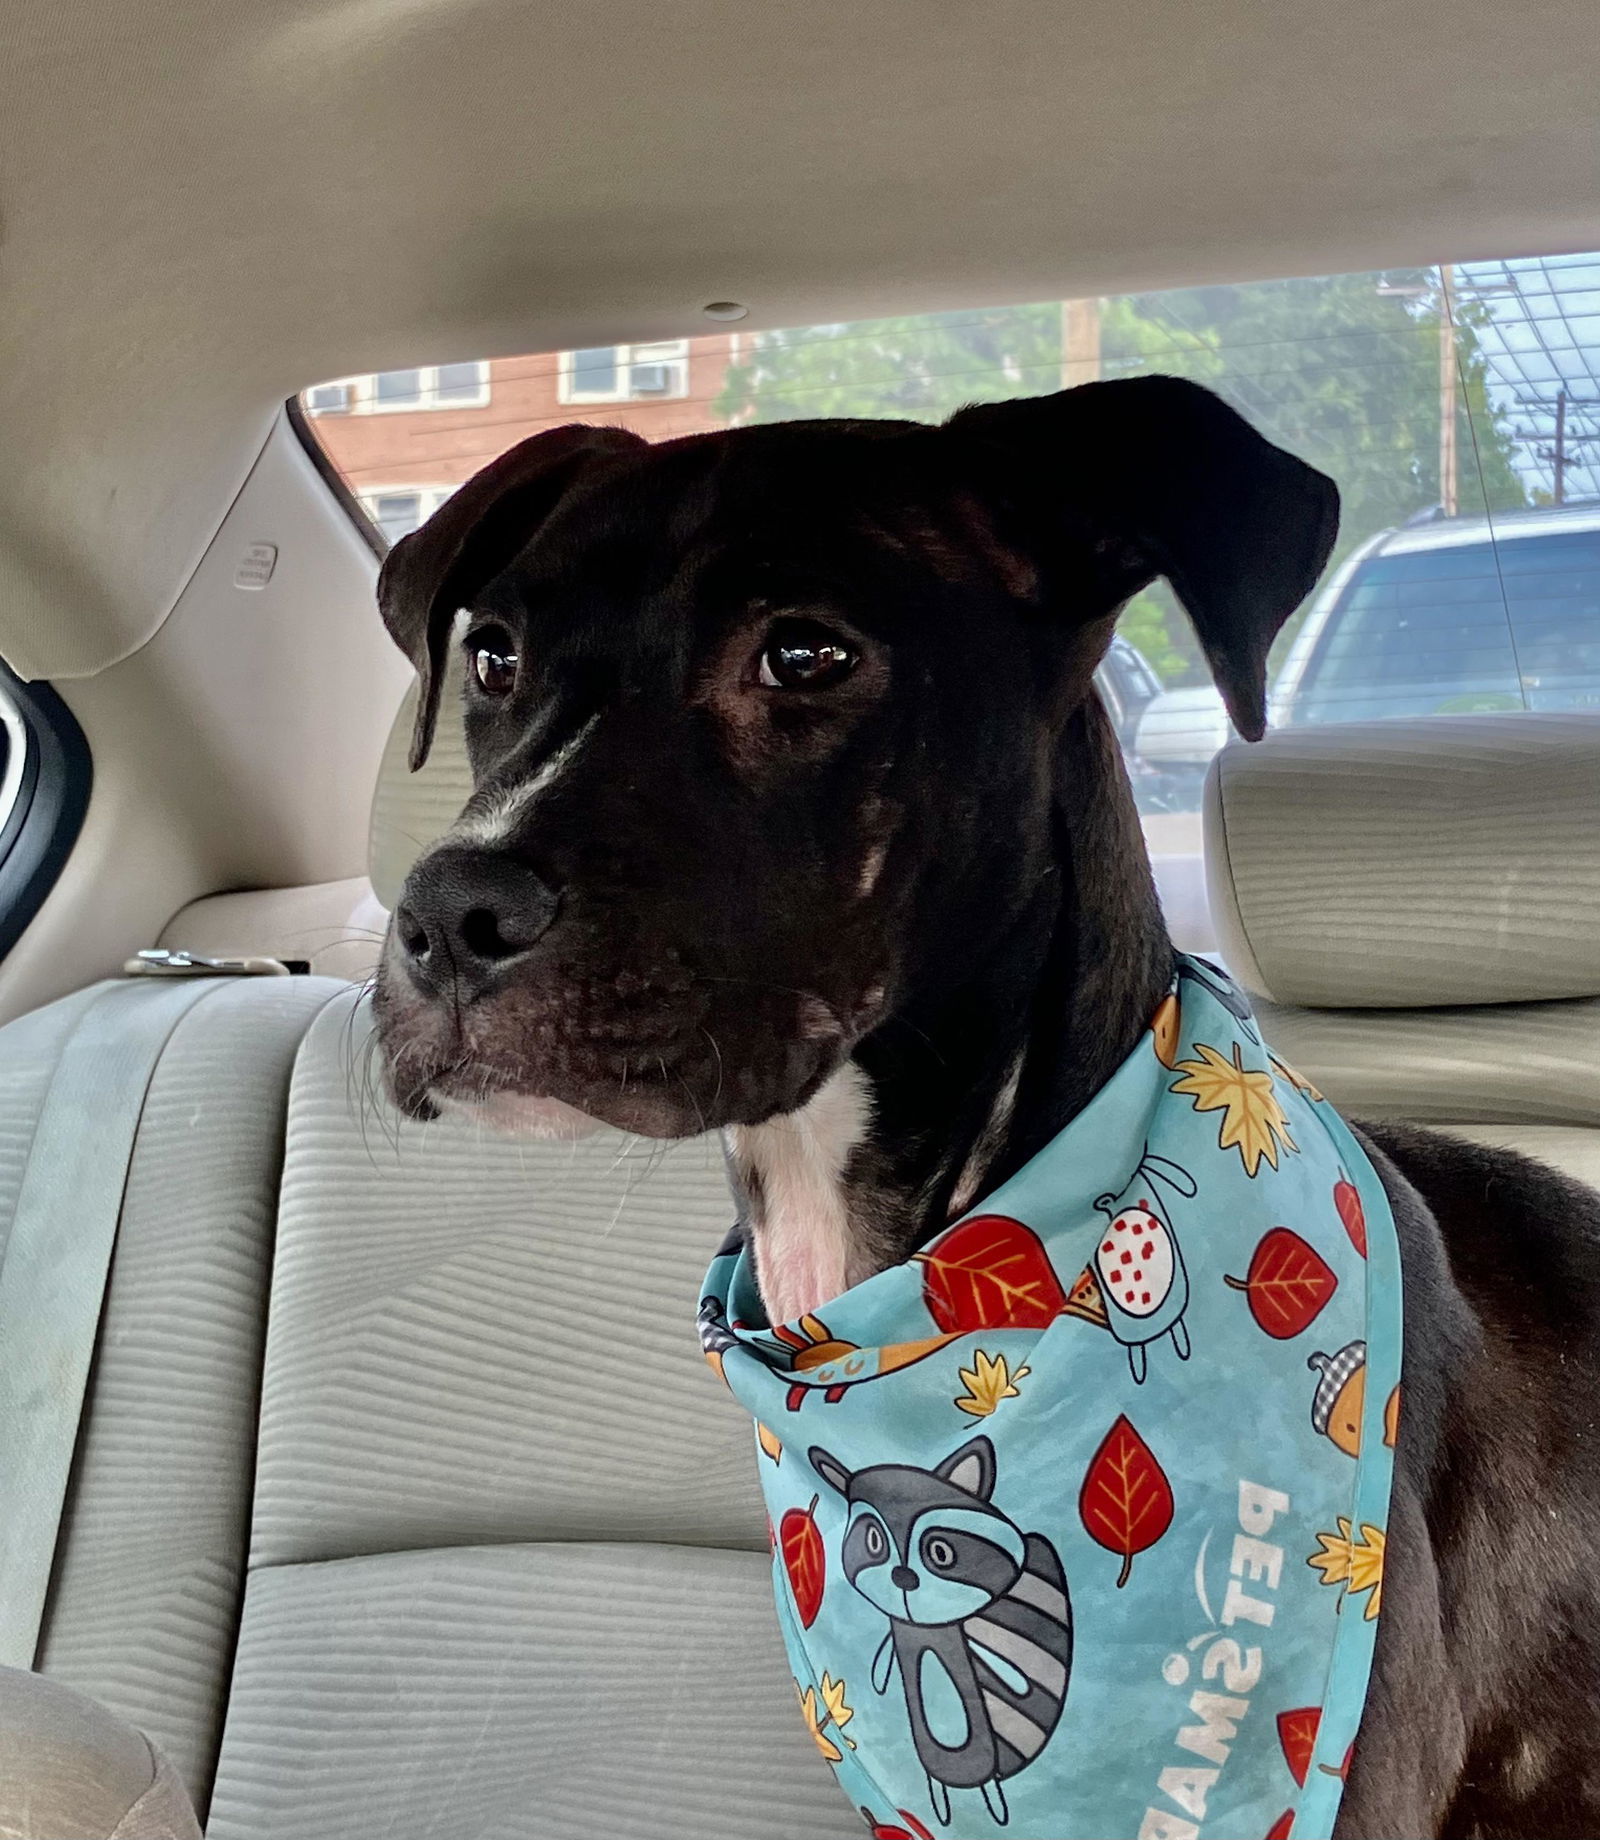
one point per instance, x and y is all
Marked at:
(980, 1626)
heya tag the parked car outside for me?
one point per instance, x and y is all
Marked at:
(1457, 617)
(1450, 616)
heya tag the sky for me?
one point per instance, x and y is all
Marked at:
(1544, 336)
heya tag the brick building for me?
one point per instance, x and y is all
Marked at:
(406, 439)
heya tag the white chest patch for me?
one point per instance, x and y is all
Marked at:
(795, 1168)
(1134, 1261)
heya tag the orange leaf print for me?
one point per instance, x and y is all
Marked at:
(804, 1559)
(990, 1272)
(1297, 1733)
(1166, 1025)
(1288, 1284)
(1126, 1501)
(1282, 1827)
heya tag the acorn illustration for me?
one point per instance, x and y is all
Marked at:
(1166, 1025)
(1341, 1391)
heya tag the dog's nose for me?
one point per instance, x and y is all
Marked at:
(904, 1579)
(465, 916)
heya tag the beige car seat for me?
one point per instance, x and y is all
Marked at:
(1416, 908)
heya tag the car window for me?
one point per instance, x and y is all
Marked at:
(1457, 407)
(1483, 626)
(45, 773)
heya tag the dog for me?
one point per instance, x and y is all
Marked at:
(796, 816)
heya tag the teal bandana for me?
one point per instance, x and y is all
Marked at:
(1077, 1516)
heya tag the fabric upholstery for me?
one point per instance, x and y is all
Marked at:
(71, 1770)
(334, 928)
(1415, 903)
(550, 1691)
(150, 1567)
(1406, 865)
(429, 1375)
(509, 1572)
(1521, 1076)
(410, 810)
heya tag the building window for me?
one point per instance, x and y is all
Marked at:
(626, 373)
(428, 386)
(397, 390)
(398, 510)
(327, 399)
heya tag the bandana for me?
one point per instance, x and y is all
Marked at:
(1078, 1515)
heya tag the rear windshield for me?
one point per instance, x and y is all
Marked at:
(1450, 404)
(1505, 625)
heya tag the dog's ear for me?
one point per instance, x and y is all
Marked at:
(473, 535)
(1161, 477)
(972, 1468)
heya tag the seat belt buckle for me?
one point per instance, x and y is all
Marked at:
(168, 962)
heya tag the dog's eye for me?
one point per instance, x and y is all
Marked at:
(494, 660)
(801, 655)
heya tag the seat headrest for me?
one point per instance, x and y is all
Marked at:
(1381, 865)
(411, 810)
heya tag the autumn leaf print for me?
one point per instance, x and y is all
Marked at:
(1357, 1563)
(1282, 1827)
(892, 1830)
(1297, 1733)
(826, 1716)
(1253, 1122)
(804, 1559)
(990, 1272)
(1288, 1284)
(989, 1381)
(1126, 1501)
(768, 1442)
(1347, 1199)
(1298, 1081)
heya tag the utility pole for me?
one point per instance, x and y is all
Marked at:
(1563, 447)
(1449, 471)
(1560, 456)
(1080, 342)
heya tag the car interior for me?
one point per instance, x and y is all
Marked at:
(322, 1513)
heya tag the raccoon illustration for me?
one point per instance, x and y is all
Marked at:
(980, 1626)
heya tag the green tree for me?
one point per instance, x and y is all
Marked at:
(923, 367)
(1342, 369)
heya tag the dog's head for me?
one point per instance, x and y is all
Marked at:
(764, 726)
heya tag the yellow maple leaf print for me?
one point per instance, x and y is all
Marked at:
(1253, 1122)
(988, 1381)
(1297, 1080)
(825, 1713)
(1356, 1563)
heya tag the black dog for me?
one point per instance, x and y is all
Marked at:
(796, 815)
